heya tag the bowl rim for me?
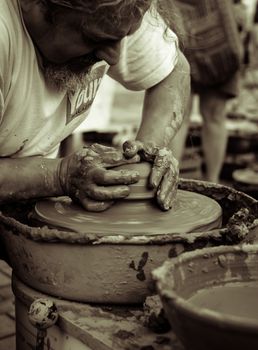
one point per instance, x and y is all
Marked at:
(215, 318)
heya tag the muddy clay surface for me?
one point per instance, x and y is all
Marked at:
(234, 299)
(239, 216)
(192, 213)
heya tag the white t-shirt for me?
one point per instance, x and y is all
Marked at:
(34, 117)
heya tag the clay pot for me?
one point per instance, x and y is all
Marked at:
(210, 297)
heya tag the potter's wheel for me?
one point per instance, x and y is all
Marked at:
(246, 180)
(77, 266)
(193, 212)
(246, 176)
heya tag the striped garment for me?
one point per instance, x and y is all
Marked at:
(211, 43)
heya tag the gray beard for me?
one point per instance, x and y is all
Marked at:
(69, 77)
(65, 80)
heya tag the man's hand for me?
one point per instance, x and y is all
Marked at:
(164, 175)
(87, 178)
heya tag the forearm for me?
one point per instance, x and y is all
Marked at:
(164, 106)
(31, 177)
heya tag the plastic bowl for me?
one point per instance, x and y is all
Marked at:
(210, 297)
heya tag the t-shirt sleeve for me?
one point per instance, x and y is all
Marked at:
(147, 56)
(4, 64)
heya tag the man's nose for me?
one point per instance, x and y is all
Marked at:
(109, 53)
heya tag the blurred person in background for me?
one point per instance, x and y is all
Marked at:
(254, 37)
(215, 55)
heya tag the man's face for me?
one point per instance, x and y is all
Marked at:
(67, 50)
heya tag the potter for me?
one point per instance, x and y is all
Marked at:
(53, 53)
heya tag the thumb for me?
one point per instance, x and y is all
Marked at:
(131, 148)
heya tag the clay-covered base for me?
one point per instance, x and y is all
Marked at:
(192, 212)
(95, 327)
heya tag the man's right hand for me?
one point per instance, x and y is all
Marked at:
(88, 176)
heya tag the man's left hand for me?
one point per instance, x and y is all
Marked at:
(165, 173)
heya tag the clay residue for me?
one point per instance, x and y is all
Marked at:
(140, 268)
(154, 316)
(123, 334)
(222, 261)
(237, 225)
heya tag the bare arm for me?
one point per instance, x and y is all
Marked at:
(30, 177)
(164, 106)
(163, 113)
(87, 176)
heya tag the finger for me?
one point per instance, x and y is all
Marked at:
(169, 181)
(85, 153)
(106, 193)
(166, 193)
(113, 159)
(169, 201)
(150, 151)
(98, 148)
(172, 194)
(104, 177)
(131, 148)
(98, 154)
(172, 199)
(95, 206)
(106, 155)
(158, 171)
(163, 162)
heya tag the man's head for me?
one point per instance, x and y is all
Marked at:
(71, 35)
